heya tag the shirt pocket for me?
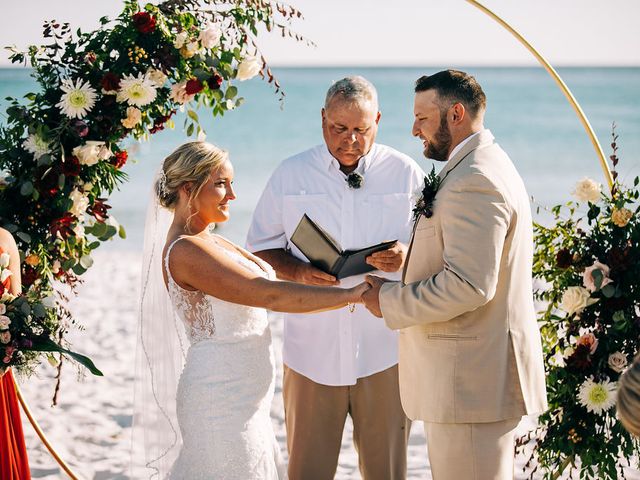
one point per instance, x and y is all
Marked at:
(389, 217)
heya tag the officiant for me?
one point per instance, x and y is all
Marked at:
(341, 362)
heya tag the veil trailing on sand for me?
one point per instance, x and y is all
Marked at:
(161, 348)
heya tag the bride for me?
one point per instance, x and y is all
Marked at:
(214, 423)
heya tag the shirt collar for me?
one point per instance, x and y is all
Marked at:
(364, 163)
(458, 147)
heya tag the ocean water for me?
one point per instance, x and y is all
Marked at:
(527, 114)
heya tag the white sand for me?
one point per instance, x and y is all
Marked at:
(91, 425)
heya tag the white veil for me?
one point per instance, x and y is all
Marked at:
(160, 355)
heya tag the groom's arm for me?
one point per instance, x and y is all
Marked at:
(475, 221)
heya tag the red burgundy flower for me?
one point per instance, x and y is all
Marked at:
(193, 86)
(144, 22)
(214, 82)
(99, 209)
(62, 226)
(29, 276)
(110, 82)
(71, 166)
(120, 158)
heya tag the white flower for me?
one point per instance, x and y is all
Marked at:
(587, 277)
(134, 117)
(248, 68)
(617, 362)
(180, 39)
(4, 322)
(139, 91)
(597, 397)
(210, 36)
(36, 145)
(3, 309)
(229, 104)
(92, 152)
(7, 297)
(189, 49)
(78, 99)
(4, 178)
(587, 190)
(79, 230)
(55, 268)
(80, 203)
(576, 299)
(157, 77)
(6, 273)
(4, 260)
(179, 93)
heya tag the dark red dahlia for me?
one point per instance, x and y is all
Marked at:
(110, 82)
(193, 86)
(144, 22)
(214, 81)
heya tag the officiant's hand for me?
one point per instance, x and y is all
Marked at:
(389, 260)
(310, 275)
(370, 297)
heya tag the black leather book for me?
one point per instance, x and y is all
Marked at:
(324, 252)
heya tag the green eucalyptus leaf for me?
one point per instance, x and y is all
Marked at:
(122, 232)
(26, 189)
(25, 237)
(608, 290)
(231, 92)
(86, 261)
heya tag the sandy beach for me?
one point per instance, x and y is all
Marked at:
(91, 425)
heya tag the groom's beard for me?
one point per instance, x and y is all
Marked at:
(438, 149)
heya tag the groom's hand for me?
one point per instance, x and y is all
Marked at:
(389, 260)
(371, 297)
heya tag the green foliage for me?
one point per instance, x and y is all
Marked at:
(570, 434)
(59, 164)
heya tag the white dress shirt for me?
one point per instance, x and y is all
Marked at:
(338, 347)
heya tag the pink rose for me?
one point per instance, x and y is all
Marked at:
(589, 340)
(589, 281)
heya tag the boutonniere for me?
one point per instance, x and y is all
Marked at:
(355, 180)
(424, 205)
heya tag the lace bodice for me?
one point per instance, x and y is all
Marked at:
(208, 318)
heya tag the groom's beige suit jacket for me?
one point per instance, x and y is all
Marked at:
(470, 349)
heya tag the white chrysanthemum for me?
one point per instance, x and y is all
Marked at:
(36, 145)
(138, 91)
(597, 397)
(78, 98)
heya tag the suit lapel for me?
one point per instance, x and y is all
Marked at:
(481, 139)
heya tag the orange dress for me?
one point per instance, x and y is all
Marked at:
(14, 464)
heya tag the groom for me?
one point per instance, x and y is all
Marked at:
(470, 354)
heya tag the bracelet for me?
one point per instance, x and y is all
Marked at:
(351, 306)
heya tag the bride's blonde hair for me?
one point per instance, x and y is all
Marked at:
(629, 398)
(192, 163)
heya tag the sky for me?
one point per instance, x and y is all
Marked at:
(402, 32)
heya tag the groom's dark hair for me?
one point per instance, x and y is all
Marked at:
(453, 86)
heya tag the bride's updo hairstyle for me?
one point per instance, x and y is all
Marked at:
(629, 398)
(192, 163)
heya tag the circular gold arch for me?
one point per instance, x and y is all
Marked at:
(565, 90)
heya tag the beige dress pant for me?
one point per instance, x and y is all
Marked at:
(471, 451)
(315, 416)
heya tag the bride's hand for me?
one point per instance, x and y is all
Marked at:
(357, 292)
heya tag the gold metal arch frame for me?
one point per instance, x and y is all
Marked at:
(565, 90)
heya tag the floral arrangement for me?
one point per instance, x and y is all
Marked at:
(26, 327)
(61, 153)
(588, 268)
(424, 202)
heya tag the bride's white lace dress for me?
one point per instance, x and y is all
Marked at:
(225, 390)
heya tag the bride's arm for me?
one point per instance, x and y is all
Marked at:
(201, 265)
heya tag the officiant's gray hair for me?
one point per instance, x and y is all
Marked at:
(352, 89)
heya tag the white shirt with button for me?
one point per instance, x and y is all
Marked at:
(338, 347)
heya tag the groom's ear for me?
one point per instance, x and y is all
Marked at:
(457, 113)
